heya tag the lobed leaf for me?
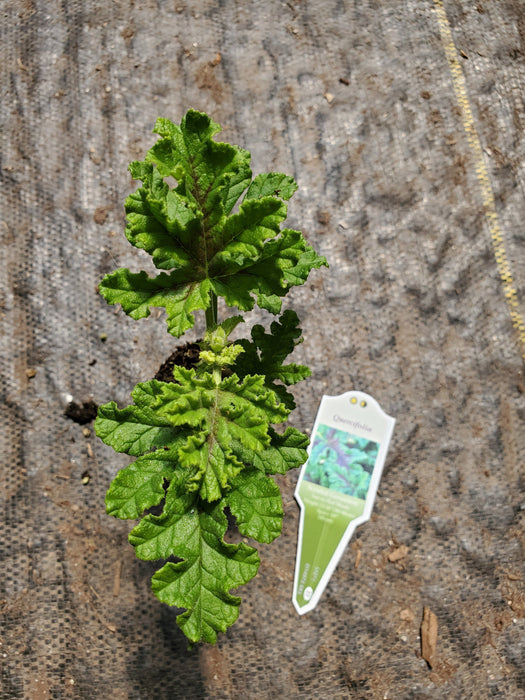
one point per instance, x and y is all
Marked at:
(266, 353)
(209, 569)
(275, 184)
(140, 485)
(133, 430)
(161, 536)
(286, 451)
(255, 501)
(284, 261)
(210, 174)
(161, 222)
(219, 413)
(137, 293)
(243, 257)
(138, 428)
(198, 419)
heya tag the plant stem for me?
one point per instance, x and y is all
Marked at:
(211, 323)
(211, 312)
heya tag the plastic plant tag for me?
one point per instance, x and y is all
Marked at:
(337, 487)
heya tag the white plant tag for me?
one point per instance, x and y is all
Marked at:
(337, 487)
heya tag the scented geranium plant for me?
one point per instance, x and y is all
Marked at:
(205, 442)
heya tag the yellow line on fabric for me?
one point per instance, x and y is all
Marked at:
(489, 204)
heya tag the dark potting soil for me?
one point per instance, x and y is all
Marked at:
(185, 356)
(81, 413)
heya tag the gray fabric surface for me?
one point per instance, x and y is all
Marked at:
(356, 100)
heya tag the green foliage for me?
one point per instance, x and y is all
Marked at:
(266, 353)
(205, 442)
(242, 257)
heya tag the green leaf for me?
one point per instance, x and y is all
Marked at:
(214, 464)
(198, 419)
(243, 257)
(219, 413)
(140, 485)
(132, 429)
(286, 262)
(286, 451)
(211, 175)
(137, 293)
(244, 234)
(161, 536)
(283, 262)
(267, 351)
(275, 184)
(255, 501)
(139, 428)
(209, 569)
(161, 222)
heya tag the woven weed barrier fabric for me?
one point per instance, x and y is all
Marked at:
(403, 123)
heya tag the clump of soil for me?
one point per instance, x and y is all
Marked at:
(81, 413)
(185, 356)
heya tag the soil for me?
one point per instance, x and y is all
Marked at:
(185, 356)
(81, 413)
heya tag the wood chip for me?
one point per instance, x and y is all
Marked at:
(101, 214)
(108, 625)
(357, 558)
(398, 553)
(406, 615)
(127, 33)
(429, 632)
(95, 158)
(30, 373)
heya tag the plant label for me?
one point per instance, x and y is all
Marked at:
(337, 487)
